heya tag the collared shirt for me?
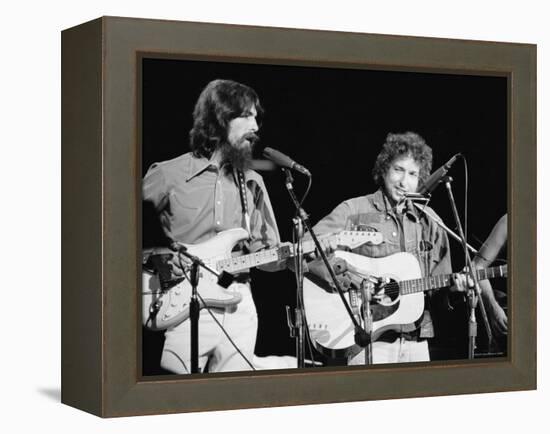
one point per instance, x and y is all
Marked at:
(196, 199)
(409, 231)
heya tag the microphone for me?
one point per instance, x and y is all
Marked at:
(435, 178)
(263, 165)
(284, 161)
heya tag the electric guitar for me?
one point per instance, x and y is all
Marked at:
(165, 303)
(397, 304)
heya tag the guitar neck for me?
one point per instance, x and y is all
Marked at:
(263, 257)
(443, 280)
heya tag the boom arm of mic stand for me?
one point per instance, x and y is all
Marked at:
(443, 226)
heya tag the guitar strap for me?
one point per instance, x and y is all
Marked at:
(239, 176)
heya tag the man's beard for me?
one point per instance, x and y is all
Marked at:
(239, 156)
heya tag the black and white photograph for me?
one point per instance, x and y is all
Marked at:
(312, 216)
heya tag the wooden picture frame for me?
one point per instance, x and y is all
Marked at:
(101, 370)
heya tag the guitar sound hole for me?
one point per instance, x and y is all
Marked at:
(385, 300)
(387, 292)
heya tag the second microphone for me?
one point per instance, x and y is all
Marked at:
(284, 161)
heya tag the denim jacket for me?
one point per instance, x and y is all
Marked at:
(410, 231)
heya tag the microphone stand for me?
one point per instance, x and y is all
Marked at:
(224, 279)
(302, 221)
(299, 323)
(366, 292)
(474, 294)
(297, 327)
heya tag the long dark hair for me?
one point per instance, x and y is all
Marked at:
(397, 145)
(219, 102)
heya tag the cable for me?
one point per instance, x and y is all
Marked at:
(227, 334)
(310, 181)
(465, 203)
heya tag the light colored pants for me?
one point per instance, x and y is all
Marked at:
(214, 347)
(398, 351)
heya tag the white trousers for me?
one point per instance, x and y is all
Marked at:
(214, 348)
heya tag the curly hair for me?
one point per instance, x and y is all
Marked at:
(219, 103)
(406, 144)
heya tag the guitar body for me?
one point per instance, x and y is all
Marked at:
(330, 327)
(162, 309)
(166, 304)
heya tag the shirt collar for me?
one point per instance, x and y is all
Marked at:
(382, 203)
(199, 165)
(378, 200)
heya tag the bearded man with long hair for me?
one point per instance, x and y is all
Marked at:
(202, 193)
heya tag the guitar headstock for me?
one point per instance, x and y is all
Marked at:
(353, 239)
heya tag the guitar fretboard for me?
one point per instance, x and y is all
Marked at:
(262, 257)
(346, 238)
(442, 280)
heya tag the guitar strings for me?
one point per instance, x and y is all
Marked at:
(393, 288)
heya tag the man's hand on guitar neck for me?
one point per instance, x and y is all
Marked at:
(462, 282)
(496, 314)
(328, 245)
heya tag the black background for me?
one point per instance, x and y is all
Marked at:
(334, 122)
